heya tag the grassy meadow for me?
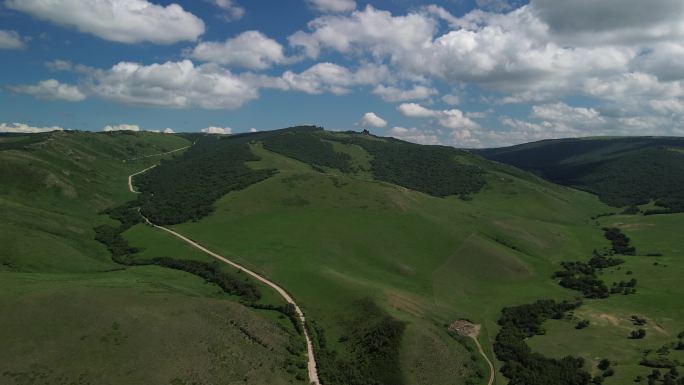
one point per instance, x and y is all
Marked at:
(658, 300)
(339, 242)
(331, 239)
(71, 315)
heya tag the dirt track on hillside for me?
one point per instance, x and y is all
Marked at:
(312, 371)
(482, 353)
(465, 328)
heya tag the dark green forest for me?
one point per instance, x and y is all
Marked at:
(308, 148)
(434, 170)
(621, 171)
(185, 188)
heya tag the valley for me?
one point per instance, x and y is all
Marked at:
(380, 262)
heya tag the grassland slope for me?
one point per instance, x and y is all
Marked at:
(72, 315)
(380, 267)
(622, 171)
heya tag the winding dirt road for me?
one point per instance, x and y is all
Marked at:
(313, 373)
(482, 353)
(130, 178)
(159, 154)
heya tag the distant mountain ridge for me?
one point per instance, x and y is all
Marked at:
(623, 171)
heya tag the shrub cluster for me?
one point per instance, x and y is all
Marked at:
(619, 241)
(581, 276)
(111, 236)
(521, 365)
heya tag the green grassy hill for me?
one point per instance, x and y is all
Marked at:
(382, 243)
(622, 171)
(338, 235)
(71, 315)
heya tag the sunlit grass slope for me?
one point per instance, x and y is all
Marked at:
(332, 238)
(70, 315)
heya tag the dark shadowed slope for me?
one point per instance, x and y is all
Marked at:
(622, 171)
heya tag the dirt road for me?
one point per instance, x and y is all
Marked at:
(482, 353)
(130, 178)
(313, 373)
(159, 154)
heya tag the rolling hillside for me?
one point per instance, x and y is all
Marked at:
(340, 237)
(622, 171)
(72, 315)
(383, 244)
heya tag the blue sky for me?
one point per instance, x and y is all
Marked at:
(457, 72)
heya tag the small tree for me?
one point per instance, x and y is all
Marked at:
(638, 334)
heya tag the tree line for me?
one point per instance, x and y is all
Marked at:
(582, 276)
(521, 365)
(434, 170)
(372, 339)
(186, 188)
(307, 147)
(125, 254)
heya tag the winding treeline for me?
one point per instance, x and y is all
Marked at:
(619, 241)
(185, 188)
(125, 254)
(521, 365)
(211, 272)
(434, 170)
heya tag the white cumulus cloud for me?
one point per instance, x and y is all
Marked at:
(454, 119)
(370, 119)
(369, 29)
(394, 94)
(22, 128)
(415, 110)
(217, 130)
(51, 89)
(333, 5)
(168, 131)
(414, 135)
(612, 21)
(250, 49)
(231, 10)
(123, 21)
(451, 99)
(330, 77)
(172, 84)
(11, 40)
